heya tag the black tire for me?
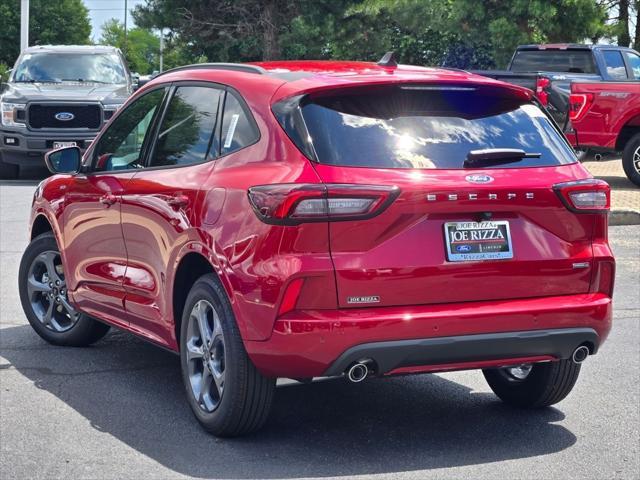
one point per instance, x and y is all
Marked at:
(82, 330)
(546, 384)
(244, 405)
(8, 171)
(631, 168)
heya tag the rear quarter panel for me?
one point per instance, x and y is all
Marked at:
(615, 105)
(257, 261)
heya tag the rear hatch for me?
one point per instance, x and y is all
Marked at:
(485, 226)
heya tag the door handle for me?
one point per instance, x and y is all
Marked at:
(178, 201)
(108, 199)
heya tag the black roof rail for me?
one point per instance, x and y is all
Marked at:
(236, 67)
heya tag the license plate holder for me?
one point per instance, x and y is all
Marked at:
(61, 144)
(472, 241)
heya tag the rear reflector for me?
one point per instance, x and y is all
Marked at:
(290, 297)
(604, 278)
(292, 204)
(585, 196)
(579, 104)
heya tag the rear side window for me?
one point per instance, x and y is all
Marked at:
(615, 65)
(238, 127)
(570, 61)
(405, 127)
(187, 130)
(634, 62)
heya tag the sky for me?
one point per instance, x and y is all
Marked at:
(102, 10)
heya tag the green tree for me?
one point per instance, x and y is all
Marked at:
(224, 30)
(460, 33)
(508, 24)
(50, 23)
(142, 46)
(620, 14)
(365, 30)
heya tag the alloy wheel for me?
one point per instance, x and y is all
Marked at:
(205, 351)
(47, 292)
(636, 159)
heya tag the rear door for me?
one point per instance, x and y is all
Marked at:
(159, 206)
(614, 66)
(453, 234)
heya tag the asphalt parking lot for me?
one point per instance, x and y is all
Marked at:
(116, 410)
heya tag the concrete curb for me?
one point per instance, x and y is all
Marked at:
(624, 217)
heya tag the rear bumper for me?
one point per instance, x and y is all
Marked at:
(389, 356)
(317, 343)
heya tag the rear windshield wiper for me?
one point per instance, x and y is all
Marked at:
(496, 156)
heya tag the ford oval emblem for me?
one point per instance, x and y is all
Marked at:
(479, 178)
(65, 116)
(463, 248)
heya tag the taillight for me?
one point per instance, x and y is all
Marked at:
(585, 196)
(579, 104)
(292, 204)
(541, 90)
(603, 278)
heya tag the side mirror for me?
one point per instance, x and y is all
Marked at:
(64, 160)
(4, 87)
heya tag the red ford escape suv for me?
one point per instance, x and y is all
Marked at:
(308, 219)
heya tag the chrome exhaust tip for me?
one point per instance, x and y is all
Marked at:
(357, 372)
(597, 157)
(580, 354)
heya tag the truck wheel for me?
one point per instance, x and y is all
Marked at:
(533, 385)
(8, 171)
(226, 392)
(631, 159)
(43, 294)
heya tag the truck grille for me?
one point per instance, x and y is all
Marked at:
(84, 116)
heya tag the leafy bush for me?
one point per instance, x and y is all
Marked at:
(4, 72)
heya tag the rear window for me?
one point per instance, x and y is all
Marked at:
(405, 127)
(570, 61)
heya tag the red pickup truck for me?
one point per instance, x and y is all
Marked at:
(605, 117)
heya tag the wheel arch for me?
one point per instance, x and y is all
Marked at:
(194, 261)
(44, 220)
(40, 225)
(630, 128)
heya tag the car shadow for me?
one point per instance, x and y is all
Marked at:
(133, 391)
(31, 174)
